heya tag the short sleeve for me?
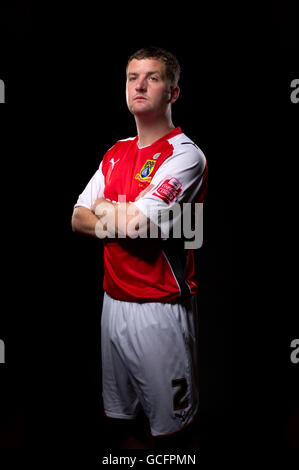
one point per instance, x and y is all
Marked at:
(178, 180)
(94, 190)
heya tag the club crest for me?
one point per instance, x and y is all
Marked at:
(146, 170)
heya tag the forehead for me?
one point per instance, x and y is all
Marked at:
(146, 65)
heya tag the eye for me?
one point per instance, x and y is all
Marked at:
(154, 79)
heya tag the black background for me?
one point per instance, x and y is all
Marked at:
(64, 72)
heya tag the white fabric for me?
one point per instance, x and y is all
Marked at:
(145, 347)
(93, 190)
(186, 164)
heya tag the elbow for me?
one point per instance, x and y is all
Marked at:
(75, 222)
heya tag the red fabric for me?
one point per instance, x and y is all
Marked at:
(137, 269)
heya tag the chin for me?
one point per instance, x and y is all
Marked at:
(139, 111)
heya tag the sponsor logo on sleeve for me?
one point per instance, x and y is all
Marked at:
(168, 190)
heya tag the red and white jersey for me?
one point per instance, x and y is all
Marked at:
(149, 269)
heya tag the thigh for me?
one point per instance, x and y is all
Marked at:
(120, 399)
(159, 350)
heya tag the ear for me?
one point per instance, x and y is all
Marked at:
(175, 92)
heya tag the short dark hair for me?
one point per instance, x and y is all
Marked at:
(172, 65)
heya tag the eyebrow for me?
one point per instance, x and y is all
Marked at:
(147, 74)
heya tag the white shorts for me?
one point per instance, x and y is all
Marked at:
(149, 360)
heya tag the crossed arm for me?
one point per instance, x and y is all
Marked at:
(109, 220)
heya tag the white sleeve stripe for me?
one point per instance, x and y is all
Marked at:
(81, 205)
(93, 190)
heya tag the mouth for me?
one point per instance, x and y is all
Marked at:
(139, 98)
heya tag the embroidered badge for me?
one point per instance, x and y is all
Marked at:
(146, 170)
(168, 190)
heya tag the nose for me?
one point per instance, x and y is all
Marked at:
(141, 84)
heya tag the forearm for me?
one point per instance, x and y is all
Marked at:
(84, 221)
(99, 224)
(109, 220)
(118, 220)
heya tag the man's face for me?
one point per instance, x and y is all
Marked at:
(148, 90)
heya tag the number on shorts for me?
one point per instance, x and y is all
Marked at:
(178, 403)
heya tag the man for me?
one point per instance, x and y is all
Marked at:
(149, 317)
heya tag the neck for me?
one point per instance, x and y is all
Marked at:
(150, 130)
